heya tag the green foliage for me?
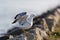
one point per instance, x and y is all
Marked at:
(55, 35)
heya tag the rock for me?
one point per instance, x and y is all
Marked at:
(32, 34)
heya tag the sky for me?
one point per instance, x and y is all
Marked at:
(9, 8)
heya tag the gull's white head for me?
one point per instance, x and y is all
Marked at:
(32, 15)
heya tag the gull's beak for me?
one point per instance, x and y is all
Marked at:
(14, 21)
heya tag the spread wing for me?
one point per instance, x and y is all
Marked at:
(18, 17)
(20, 14)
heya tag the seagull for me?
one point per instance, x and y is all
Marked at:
(27, 24)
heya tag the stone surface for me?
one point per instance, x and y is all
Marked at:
(33, 34)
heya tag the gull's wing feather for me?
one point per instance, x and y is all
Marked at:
(19, 17)
(20, 14)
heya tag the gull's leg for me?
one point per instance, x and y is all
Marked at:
(11, 36)
(24, 34)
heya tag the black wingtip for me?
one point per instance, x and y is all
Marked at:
(14, 21)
